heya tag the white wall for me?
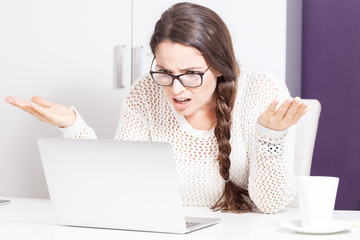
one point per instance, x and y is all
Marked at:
(63, 50)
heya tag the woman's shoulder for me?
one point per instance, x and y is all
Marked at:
(144, 94)
(144, 82)
(260, 82)
(251, 77)
(144, 87)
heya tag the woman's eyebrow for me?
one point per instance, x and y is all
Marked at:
(159, 66)
(191, 69)
(196, 68)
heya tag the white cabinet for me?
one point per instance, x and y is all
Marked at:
(64, 50)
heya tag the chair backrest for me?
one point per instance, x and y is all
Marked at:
(306, 130)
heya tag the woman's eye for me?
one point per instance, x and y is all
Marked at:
(192, 72)
(164, 71)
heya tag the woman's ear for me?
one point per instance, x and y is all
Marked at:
(218, 74)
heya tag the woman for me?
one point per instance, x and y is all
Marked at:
(231, 140)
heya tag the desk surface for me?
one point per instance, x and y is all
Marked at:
(27, 218)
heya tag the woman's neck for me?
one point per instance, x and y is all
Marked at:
(202, 120)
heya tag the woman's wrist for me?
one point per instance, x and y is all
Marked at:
(269, 132)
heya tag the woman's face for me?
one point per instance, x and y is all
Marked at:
(175, 59)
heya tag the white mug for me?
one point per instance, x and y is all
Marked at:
(317, 196)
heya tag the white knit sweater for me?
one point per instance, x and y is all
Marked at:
(261, 159)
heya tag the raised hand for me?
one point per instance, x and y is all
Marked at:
(45, 111)
(289, 112)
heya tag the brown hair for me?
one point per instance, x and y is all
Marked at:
(199, 27)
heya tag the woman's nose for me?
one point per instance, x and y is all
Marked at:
(177, 87)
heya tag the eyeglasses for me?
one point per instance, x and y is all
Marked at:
(186, 79)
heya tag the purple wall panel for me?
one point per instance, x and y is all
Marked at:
(331, 74)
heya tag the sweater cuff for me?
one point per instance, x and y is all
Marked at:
(76, 128)
(270, 133)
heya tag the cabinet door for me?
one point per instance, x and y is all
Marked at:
(62, 50)
(258, 29)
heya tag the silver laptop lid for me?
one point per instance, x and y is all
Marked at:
(113, 184)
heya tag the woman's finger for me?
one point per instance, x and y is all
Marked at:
(30, 109)
(41, 111)
(292, 110)
(10, 99)
(27, 107)
(272, 107)
(18, 102)
(42, 101)
(303, 108)
(34, 110)
(280, 113)
(38, 116)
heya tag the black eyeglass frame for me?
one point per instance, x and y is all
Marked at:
(177, 76)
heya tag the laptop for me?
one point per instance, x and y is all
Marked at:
(129, 185)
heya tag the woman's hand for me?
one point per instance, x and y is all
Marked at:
(285, 116)
(45, 111)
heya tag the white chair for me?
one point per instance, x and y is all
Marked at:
(306, 130)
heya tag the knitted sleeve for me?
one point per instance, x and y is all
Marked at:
(133, 123)
(134, 118)
(271, 179)
(79, 130)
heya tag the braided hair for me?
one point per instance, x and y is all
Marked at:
(199, 27)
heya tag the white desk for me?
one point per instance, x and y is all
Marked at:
(34, 219)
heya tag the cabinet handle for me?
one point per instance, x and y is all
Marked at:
(136, 63)
(118, 66)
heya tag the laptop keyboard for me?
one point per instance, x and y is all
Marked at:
(191, 224)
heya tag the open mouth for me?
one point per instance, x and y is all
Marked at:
(181, 104)
(182, 101)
